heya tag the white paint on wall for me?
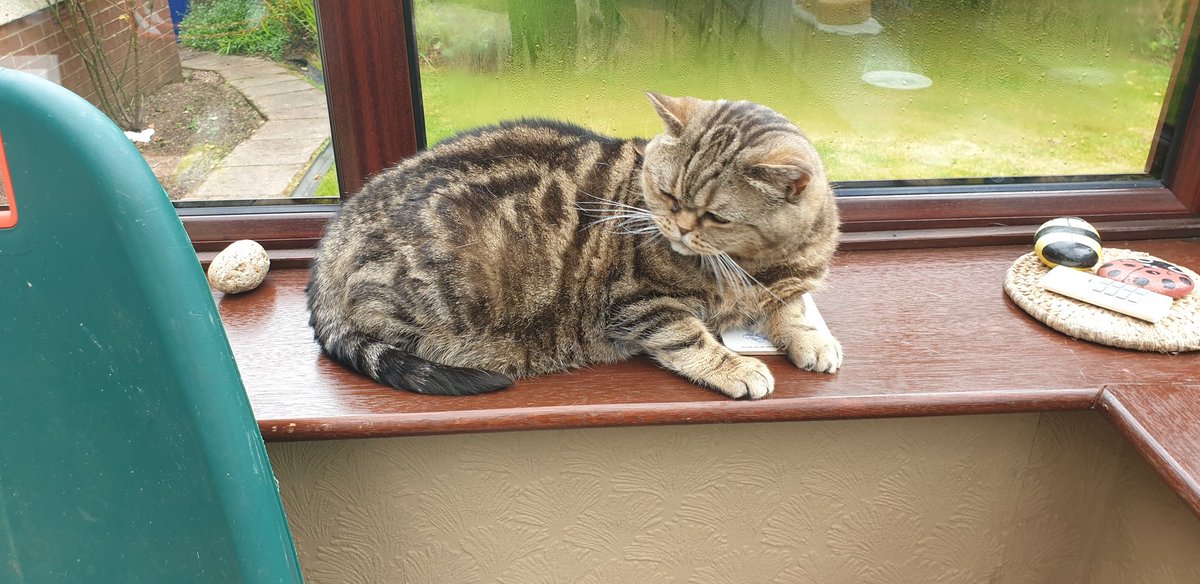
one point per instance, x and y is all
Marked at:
(1005, 499)
(11, 10)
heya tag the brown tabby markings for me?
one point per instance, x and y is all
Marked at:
(535, 247)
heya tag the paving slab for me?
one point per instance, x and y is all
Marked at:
(293, 129)
(269, 104)
(293, 86)
(304, 113)
(252, 68)
(236, 183)
(249, 82)
(208, 61)
(256, 152)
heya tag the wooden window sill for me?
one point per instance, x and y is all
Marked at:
(926, 332)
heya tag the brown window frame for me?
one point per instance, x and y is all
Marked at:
(370, 85)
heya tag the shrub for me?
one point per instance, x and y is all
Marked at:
(249, 27)
(116, 78)
(301, 16)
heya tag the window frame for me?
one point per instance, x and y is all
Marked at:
(373, 92)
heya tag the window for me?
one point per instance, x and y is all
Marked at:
(887, 90)
(1003, 123)
(378, 72)
(260, 133)
(226, 102)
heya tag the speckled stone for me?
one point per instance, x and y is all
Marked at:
(240, 267)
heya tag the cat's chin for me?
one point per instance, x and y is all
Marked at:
(681, 249)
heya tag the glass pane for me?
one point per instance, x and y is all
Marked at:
(231, 108)
(890, 89)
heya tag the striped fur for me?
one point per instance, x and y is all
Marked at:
(535, 246)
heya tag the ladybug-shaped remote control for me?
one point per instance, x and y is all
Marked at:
(1154, 275)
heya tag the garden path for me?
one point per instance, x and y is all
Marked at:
(270, 162)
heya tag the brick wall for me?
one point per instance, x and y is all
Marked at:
(35, 43)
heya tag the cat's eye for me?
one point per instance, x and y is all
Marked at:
(675, 206)
(716, 218)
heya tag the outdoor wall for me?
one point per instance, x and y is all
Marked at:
(1031, 498)
(31, 40)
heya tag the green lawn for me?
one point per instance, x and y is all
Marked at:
(328, 187)
(1008, 98)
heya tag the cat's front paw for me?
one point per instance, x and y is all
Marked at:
(816, 351)
(744, 378)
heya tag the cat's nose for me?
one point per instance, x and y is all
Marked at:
(687, 222)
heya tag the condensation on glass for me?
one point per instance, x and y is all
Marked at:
(231, 108)
(889, 89)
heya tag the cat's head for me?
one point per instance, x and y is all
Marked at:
(734, 177)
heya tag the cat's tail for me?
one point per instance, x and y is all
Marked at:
(400, 369)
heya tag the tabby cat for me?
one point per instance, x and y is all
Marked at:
(537, 246)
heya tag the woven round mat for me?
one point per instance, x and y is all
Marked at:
(1176, 332)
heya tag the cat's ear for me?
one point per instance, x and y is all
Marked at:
(792, 177)
(674, 111)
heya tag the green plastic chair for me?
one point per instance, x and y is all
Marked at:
(128, 451)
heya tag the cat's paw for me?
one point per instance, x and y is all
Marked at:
(816, 351)
(744, 378)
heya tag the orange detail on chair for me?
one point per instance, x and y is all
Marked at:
(8, 214)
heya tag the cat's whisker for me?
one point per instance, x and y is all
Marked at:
(615, 212)
(624, 217)
(588, 206)
(736, 269)
(751, 277)
(649, 240)
(736, 284)
(726, 281)
(706, 261)
(645, 231)
(603, 200)
(716, 273)
(603, 210)
(621, 228)
(636, 221)
(608, 203)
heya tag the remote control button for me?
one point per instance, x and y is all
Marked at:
(1123, 294)
(1110, 291)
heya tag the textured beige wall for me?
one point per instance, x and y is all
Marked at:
(1049, 498)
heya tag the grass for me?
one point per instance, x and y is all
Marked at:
(328, 187)
(1008, 98)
